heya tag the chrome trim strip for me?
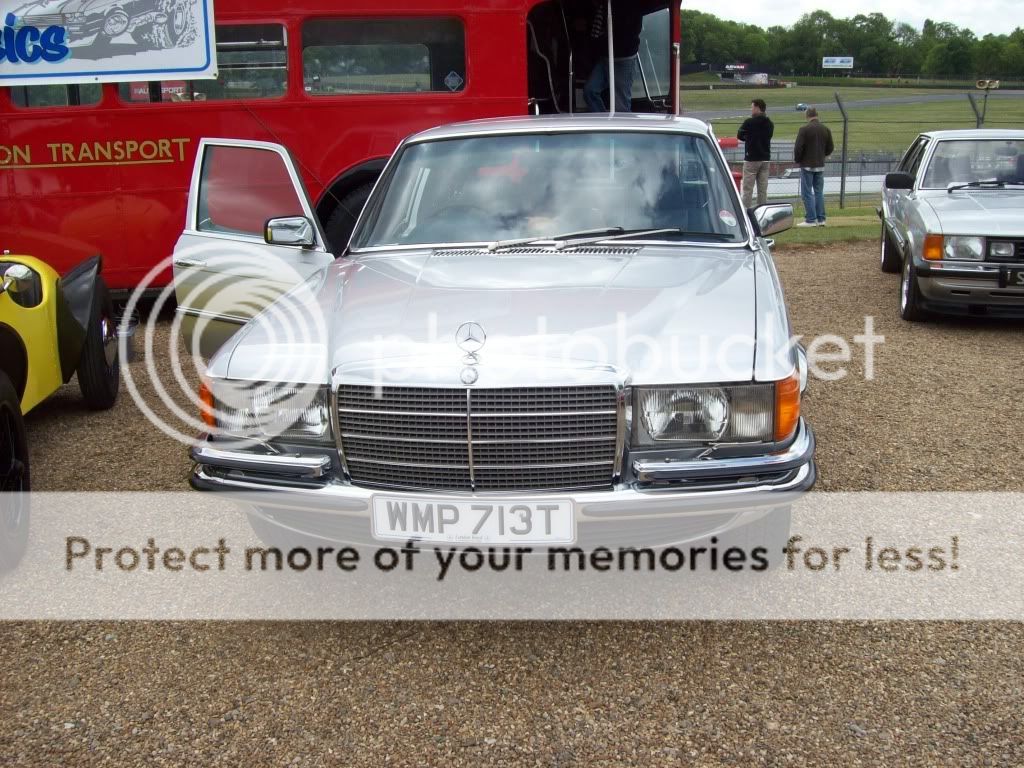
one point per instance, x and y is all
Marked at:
(381, 462)
(800, 452)
(620, 432)
(336, 426)
(605, 504)
(300, 466)
(469, 437)
(524, 441)
(205, 314)
(460, 415)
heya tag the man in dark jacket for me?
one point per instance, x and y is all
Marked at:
(627, 24)
(813, 145)
(756, 134)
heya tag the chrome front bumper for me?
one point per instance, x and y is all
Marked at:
(659, 488)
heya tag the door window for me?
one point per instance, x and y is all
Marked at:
(654, 71)
(240, 188)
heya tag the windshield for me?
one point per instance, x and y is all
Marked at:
(493, 188)
(967, 161)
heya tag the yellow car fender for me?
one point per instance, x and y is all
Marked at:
(34, 330)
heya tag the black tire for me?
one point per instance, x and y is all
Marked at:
(99, 369)
(910, 293)
(14, 478)
(890, 257)
(339, 226)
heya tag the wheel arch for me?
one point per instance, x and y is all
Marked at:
(365, 173)
(14, 359)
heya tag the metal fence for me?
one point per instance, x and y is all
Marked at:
(871, 139)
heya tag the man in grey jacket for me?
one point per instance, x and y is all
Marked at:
(813, 145)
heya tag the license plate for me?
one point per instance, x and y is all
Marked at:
(471, 521)
(1012, 278)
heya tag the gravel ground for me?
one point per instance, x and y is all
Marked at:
(937, 413)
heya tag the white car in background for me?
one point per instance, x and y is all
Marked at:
(953, 224)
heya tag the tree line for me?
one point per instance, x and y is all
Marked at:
(878, 45)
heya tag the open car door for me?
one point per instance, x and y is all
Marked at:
(250, 236)
(653, 82)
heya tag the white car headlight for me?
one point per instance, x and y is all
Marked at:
(964, 248)
(705, 414)
(263, 411)
(1003, 250)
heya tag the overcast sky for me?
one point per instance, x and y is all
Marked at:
(981, 16)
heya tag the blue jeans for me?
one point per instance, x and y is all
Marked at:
(598, 82)
(812, 190)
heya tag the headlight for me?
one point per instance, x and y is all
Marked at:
(76, 18)
(964, 248)
(1002, 250)
(263, 411)
(705, 414)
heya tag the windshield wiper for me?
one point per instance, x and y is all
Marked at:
(503, 244)
(995, 183)
(624, 234)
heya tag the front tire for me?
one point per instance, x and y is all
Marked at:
(99, 368)
(890, 257)
(14, 478)
(910, 293)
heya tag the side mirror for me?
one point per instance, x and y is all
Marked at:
(772, 219)
(290, 230)
(899, 180)
(17, 279)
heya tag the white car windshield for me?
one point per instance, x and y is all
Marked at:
(523, 186)
(963, 161)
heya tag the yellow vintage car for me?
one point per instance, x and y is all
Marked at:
(51, 327)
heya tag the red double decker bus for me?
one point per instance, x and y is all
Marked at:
(87, 169)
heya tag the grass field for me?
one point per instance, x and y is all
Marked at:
(844, 226)
(872, 128)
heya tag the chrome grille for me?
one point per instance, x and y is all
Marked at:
(522, 439)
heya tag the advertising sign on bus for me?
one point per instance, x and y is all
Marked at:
(103, 41)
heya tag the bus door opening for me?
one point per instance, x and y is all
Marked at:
(566, 40)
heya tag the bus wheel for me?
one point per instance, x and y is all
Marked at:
(338, 228)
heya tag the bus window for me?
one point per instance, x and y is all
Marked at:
(562, 51)
(654, 60)
(252, 61)
(56, 95)
(361, 56)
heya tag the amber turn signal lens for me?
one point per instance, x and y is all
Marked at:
(207, 406)
(933, 247)
(787, 407)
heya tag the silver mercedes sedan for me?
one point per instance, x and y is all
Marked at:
(539, 325)
(953, 224)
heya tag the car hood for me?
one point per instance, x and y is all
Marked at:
(648, 315)
(986, 212)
